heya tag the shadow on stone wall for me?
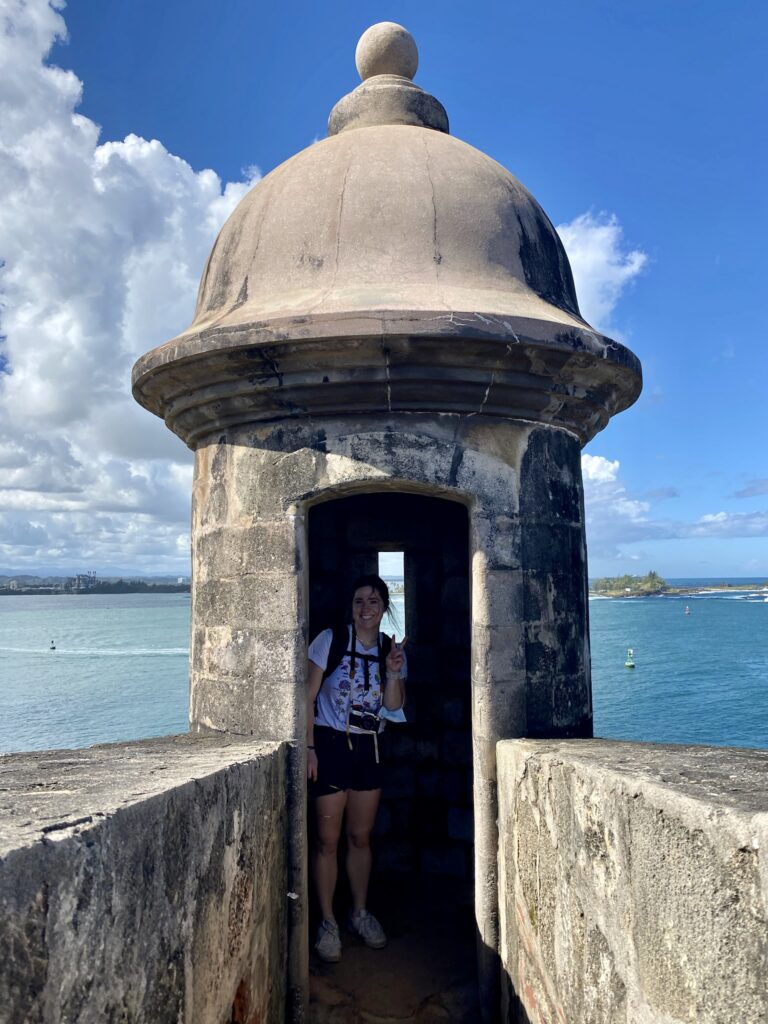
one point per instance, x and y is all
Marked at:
(512, 1011)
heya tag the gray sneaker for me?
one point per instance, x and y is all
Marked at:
(328, 942)
(368, 928)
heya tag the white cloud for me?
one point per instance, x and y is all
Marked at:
(602, 266)
(730, 524)
(615, 519)
(101, 250)
(63, 542)
(598, 470)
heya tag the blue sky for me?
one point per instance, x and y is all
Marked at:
(638, 127)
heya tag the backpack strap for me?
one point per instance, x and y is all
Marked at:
(338, 648)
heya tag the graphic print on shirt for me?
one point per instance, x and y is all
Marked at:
(348, 692)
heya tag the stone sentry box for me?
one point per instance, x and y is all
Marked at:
(389, 313)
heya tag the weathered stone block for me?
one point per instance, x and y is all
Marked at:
(498, 652)
(701, 937)
(497, 598)
(548, 547)
(632, 882)
(210, 495)
(500, 710)
(556, 705)
(222, 703)
(144, 882)
(499, 539)
(397, 455)
(551, 477)
(273, 601)
(251, 653)
(269, 546)
(538, 595)
(481, 473)
(267, 483)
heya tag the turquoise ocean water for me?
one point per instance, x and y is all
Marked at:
(119, 671)
(120, 668)
(699, 678)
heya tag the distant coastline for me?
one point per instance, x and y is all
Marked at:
(52, 586)
(613, 587)
(653, 585)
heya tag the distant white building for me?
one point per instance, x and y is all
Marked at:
(83, 581)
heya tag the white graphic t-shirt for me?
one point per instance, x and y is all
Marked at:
(339, 692)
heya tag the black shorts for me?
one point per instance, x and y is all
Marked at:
(339, 768)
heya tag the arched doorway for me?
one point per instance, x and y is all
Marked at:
(424, 852)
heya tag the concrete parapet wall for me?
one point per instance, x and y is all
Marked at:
(144, 882)
(633, 882)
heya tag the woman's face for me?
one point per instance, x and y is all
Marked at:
(367, 610)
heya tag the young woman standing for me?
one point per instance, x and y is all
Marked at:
(346, 705)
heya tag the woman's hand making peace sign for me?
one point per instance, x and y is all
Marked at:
(396, 656)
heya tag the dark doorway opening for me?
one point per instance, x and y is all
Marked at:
(422, 885)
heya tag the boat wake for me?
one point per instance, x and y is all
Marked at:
(100, 652)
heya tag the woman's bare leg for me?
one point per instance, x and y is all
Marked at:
(329, 811)
(362, 806)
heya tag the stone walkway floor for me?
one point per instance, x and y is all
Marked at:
(425, 975)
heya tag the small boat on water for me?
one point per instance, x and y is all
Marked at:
(630, 662)
(687, 610)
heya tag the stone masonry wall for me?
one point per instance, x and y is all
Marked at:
(633, 882)
(144, 882)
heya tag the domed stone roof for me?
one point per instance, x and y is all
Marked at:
(389, 228)
(387, 217)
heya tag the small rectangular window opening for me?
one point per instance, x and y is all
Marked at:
(392, 571)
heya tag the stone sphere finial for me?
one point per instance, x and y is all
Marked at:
(386, 49)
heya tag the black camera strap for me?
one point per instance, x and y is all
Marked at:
(366, 659)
